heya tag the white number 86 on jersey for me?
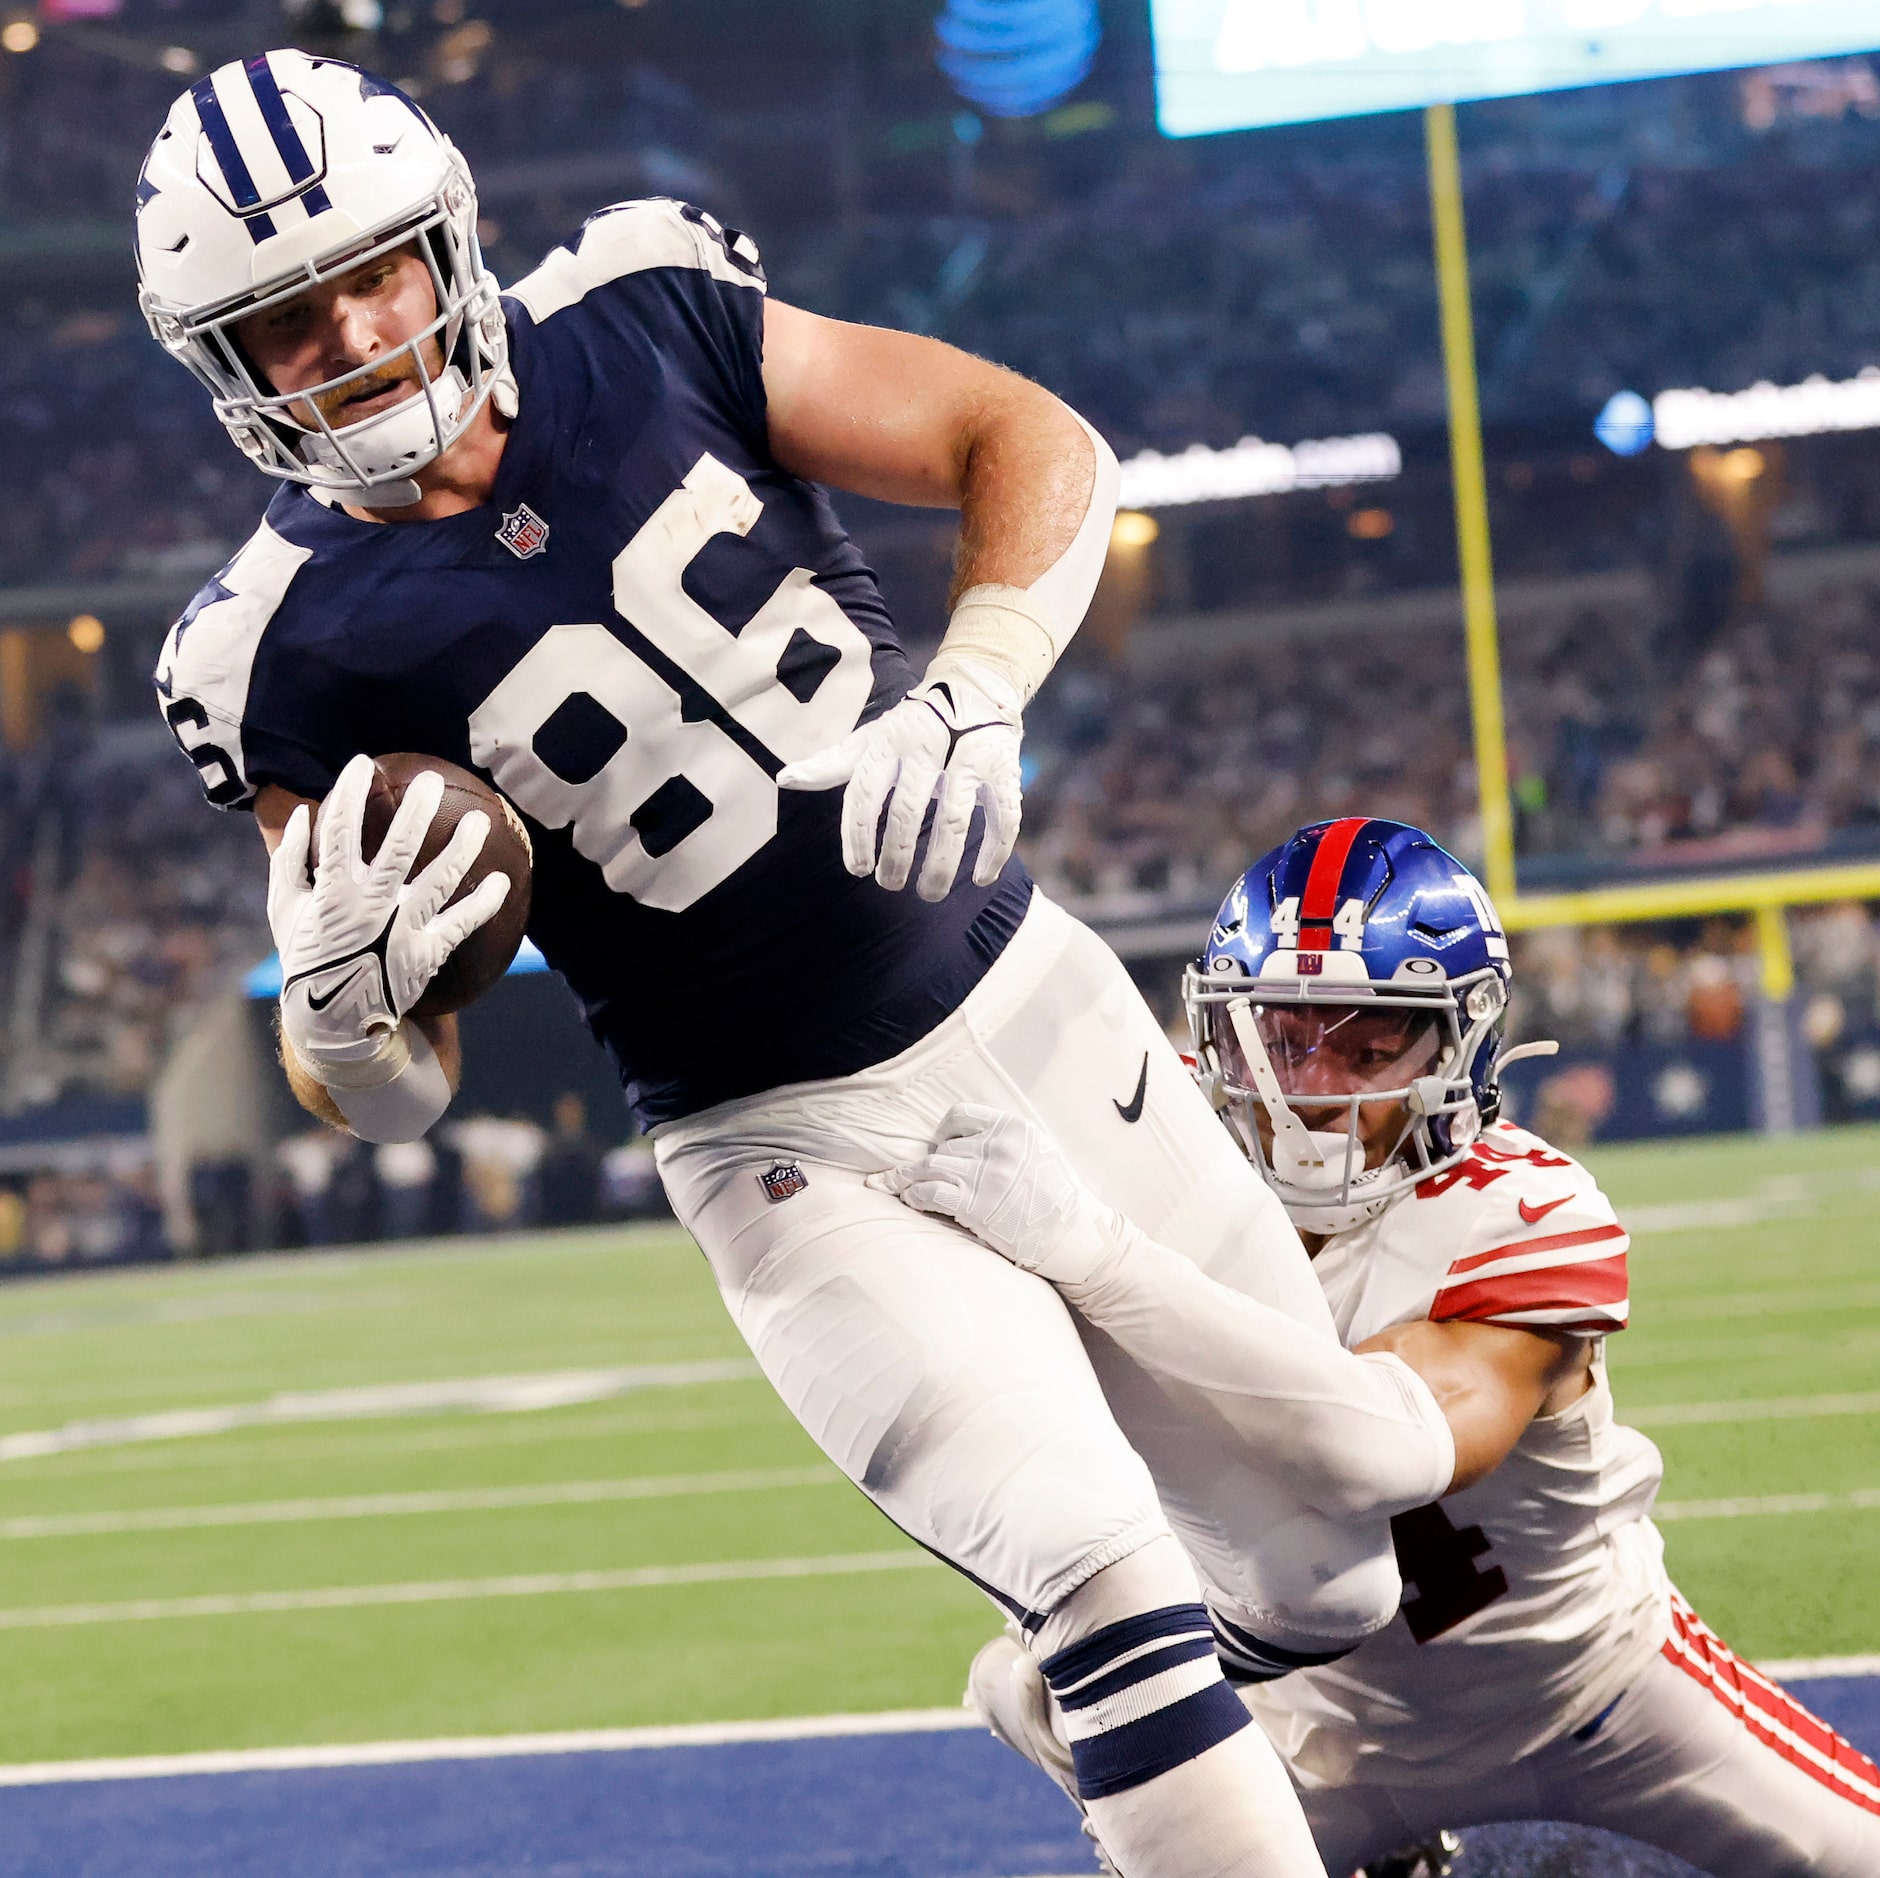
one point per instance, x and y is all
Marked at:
(668, 774)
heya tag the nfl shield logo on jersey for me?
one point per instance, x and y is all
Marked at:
(783, 1180)
(524, 533)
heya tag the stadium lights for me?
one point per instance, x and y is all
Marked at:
(86, 632)
(1816, 405)
(1682, 420)
(19, 35)
(1253, 467)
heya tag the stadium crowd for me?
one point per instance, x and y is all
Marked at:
(1623, 754)
(1674, 234)
(1175, 293)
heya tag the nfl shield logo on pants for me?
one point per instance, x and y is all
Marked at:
(524, 533)
(783, 1180)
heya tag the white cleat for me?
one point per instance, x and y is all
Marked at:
(1005, 1688)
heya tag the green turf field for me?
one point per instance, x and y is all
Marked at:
(349, 1568)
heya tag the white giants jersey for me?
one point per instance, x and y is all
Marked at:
(1533, 1598)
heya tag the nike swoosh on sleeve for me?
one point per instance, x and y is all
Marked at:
(1535, 1214)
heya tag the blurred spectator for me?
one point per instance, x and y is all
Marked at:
(569, 1174)
(221, 1196)
(355, 1196)
(308, 1159)
(85, 1216)
(500, 1159)
(629, 1185)
(406, 1172)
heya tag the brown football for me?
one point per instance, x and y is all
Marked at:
(486, 955)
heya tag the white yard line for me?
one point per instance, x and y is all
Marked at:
(392, 1505)
(1788, 1196)
(490, 1747)
(612, 1740)
(1715, 1215)
(1777, 1408)
(1813, 1668)
(457, 1590)
(461, 1395)
(1771, 1506)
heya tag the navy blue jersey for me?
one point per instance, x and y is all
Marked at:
(646, 622)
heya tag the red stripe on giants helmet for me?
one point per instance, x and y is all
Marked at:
(1318, 905)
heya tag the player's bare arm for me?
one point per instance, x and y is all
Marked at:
(907, 419)
(1490, 1381)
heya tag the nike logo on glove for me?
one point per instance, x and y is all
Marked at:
(315, 1002)
(1535, 1214)
(1132, 1110)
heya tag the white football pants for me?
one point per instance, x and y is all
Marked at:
(960, 1393)
(1701, 1757)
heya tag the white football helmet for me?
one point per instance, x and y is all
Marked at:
(284, 170)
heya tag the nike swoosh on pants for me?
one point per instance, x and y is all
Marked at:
(1132, 1110)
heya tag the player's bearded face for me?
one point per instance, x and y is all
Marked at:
(1324, 1054)
(337, 327)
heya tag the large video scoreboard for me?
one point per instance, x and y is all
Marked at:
(1240, 64)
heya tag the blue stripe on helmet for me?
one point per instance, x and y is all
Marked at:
(281, 128)
(228, 158)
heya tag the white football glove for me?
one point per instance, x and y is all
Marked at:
(360, 944)
(1013, 1188)
(955, 737)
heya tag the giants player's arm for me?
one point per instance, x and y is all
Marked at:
(273, 805)
(906, 419)
(1490, 1380)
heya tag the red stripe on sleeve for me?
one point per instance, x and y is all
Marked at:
(1555, 1242)
(1319, 903)
(1590, 1283)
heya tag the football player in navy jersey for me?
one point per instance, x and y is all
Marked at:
(572, 536)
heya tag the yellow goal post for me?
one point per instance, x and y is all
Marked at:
(1765, 896)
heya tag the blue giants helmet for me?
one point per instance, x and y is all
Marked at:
(1347, 1016)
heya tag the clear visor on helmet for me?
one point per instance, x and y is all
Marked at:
(1338, 1113)
(1331, 1054)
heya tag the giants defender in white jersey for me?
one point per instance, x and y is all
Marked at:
(1347, 1017)
(1533, 1597)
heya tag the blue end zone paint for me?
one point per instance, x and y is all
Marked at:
(883, 1806)
(1848, 1704)
(880, 1806)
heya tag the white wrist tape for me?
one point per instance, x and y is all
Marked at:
(1022, 631)
(394, 1095)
